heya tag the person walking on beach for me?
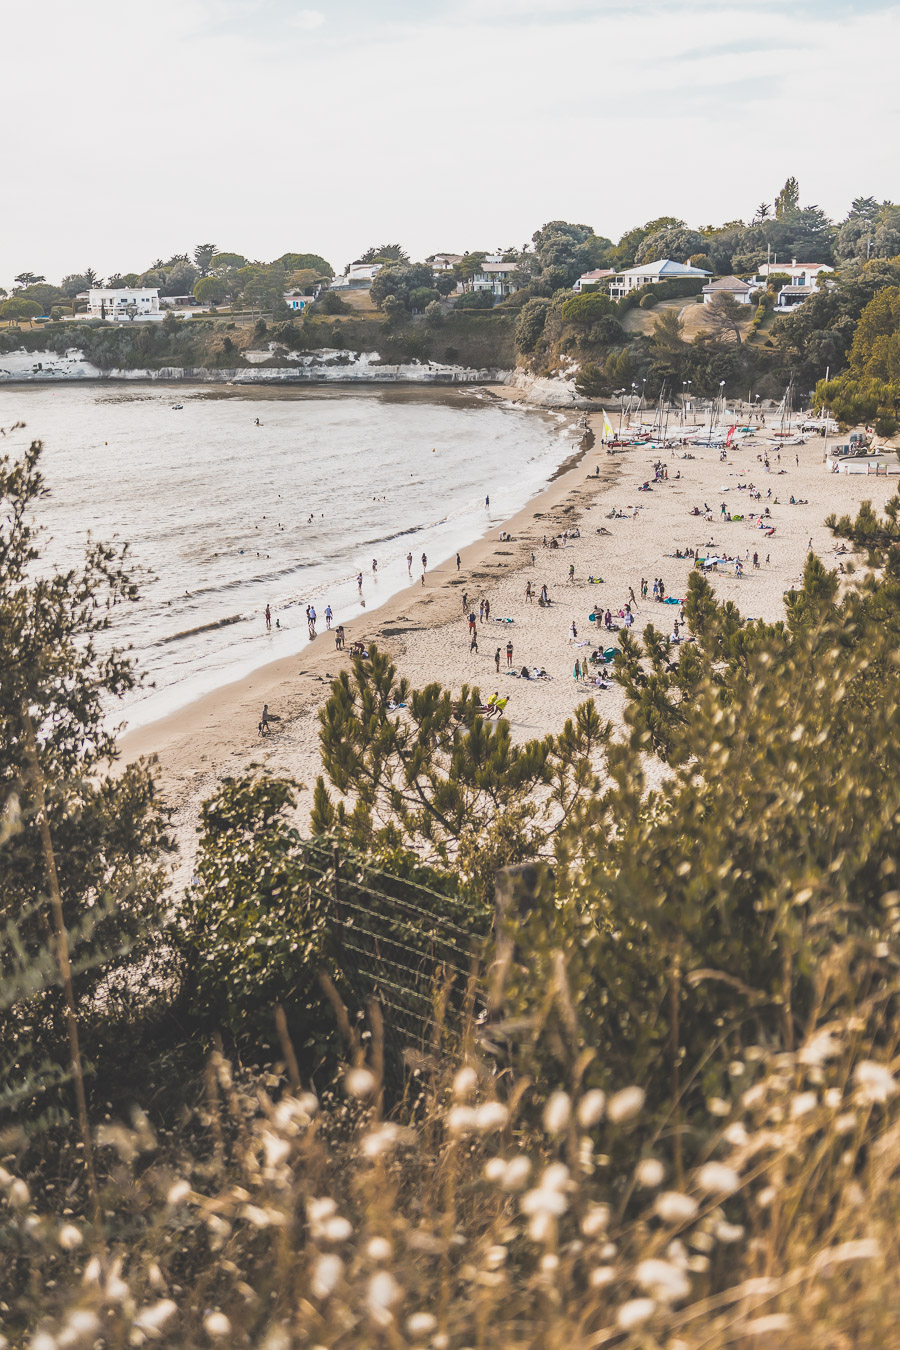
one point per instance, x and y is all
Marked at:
(574, 631)
(472, 621)
(359, 582)
(571, 571)
(632, 597)
(409, 563)
(473, 645)
(268, 619)
(465, 598)
(424, 563)
(458, 562)
(533, 559)
(529, 593)
(311, 618)
(328, 617)
(497, 660)
(509, 652)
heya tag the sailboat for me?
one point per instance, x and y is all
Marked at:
(785, 434)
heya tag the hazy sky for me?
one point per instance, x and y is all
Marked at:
(134, 129)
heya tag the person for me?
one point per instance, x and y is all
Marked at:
(458, 562)
(487, 502)
(374, 564)
(571, 571)
(328, 617)
(487, 610)
(472, 621)
(473, 645)
(500, 705)
(311, 616)
(545, 598)
(576, 670)
(497, 660)
(258, 423)
(409, 563)
(643, 588)
(265, 719)
(359, 582)
(424, 563)
(533, 560)
(632, 596)
(509, 653)
(465, 600)
(574, 631)
(492, 701)
(662, 590)
(339, 638)
(529, 593)
(268, 619)
(481, 610)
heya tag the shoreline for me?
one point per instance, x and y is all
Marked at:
(272, 680)
(424, 631)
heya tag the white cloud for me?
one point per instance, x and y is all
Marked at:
(308, 19)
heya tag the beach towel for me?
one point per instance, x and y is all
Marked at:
(496, 620)
(670, 600)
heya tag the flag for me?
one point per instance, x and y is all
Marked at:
(608, 432)
(730, 436)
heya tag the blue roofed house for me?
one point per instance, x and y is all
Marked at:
(650, 274)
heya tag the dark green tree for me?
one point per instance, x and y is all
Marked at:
(105, 832)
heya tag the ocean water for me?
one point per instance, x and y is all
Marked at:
(224, 517)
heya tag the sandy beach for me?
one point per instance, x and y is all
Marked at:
(425, 629)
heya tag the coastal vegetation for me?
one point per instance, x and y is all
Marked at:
(588, 1040)
(413, 312)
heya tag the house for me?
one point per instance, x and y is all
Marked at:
(742, 291)
(294, 300)
(180, 302)
(790, 296)
(444, 262)
(495, 277)
(358, 275)
(126, 304)
(593, 278)
(650, 274)
(801, 274)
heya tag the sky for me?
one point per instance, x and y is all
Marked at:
(136, 130)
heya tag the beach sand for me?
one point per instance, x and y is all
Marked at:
(425, 630)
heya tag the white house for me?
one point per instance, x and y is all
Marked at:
(593, 278)
(495, 277)
(294, 300)
(124, 304)
(790, 296)
(801, 274)
(650, 274)
(358, 275)
(742, 291)
(444, 262)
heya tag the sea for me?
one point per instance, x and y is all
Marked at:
(232, 499)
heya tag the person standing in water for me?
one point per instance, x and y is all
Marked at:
(487, 503)
(374, 565)
(268, 619)
(409, 563)
(359, 582)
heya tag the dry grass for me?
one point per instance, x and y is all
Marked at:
(482, 1214)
